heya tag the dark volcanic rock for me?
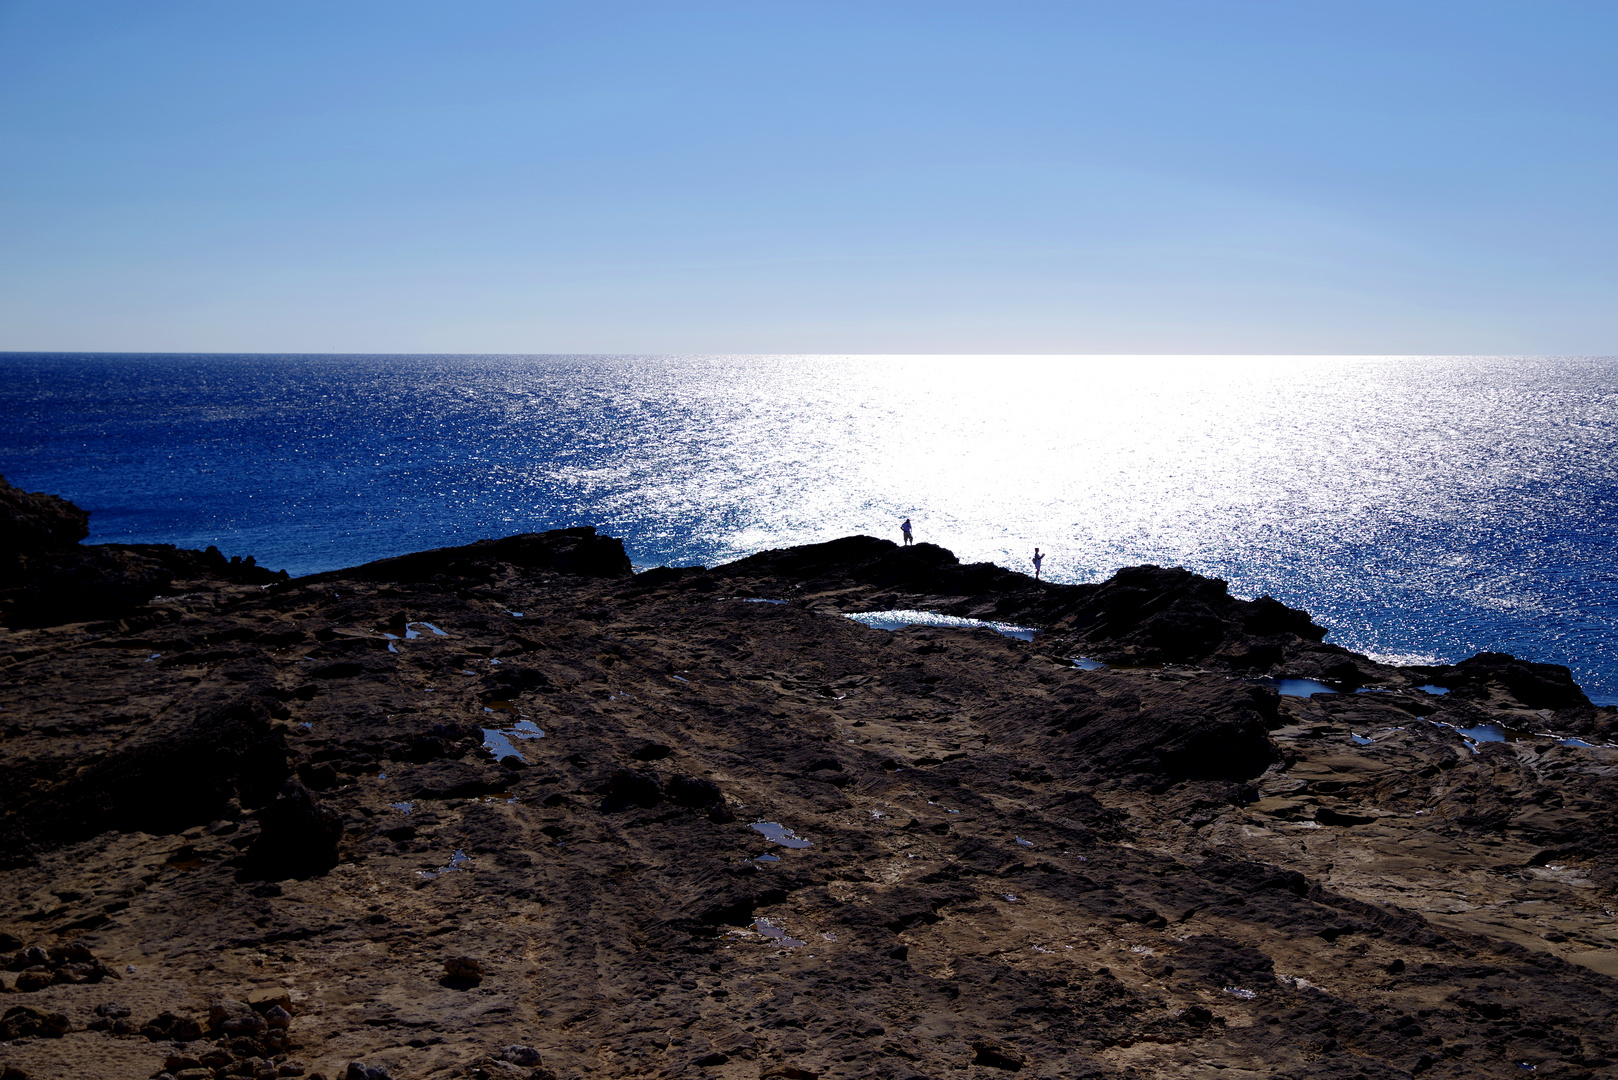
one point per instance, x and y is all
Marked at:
(86, 583)
(299, 837)
(47, 579)
(692, 792)
(1538, 686)
(764, 840)
(629, 787)
(1202, 729)
(21, 1021)
(578, 552)
(1142, 615)
(33, 522)
(181, 769)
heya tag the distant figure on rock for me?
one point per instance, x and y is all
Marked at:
(904, 527)
(1038, 560)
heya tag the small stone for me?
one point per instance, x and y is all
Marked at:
(997, 1056)
(277, 1017)
(522, 1055)
(463, 969)
(266, 998)
(176, 1062)
(1196, 1016)
(21, 1021)
(222, 1009)
(292, 1067)
(194, 1074)
(357, 1071)
(235, 1018)
(33, 980)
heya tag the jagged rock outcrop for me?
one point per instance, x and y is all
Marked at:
(33, 522)
(47, 578)
(647, 827)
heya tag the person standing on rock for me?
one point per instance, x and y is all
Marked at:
(1038, 560)
(904, 527)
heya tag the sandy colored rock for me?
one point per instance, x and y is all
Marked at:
(759, 839)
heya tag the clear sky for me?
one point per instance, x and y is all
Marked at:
(1219, 176)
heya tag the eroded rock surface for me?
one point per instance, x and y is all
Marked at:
(510, 811)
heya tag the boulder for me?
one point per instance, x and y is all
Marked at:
(298, 839)
(630, 787)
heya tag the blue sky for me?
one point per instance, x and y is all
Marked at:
(668, 176)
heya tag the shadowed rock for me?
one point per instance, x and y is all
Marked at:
(298, 838)
(579, 552)
(33, 522)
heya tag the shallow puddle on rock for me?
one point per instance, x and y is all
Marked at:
(1025, 843)
(895, 620)
(780, 834)
(1238, 992)
(455, 862)
(755, 600)
(1479, 734)
(403, 807)
(1431, 689)
(500, 744)
(498, 740)
(780, 936)
(1302, 688)
(767, 858)
(1084, 663)
(1361, 740)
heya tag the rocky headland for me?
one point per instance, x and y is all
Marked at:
(513, 810)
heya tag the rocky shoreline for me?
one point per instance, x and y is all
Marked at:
(512, 810)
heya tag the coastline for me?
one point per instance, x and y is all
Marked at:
(279, 793)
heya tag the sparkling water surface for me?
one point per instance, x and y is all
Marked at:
(1423, 508)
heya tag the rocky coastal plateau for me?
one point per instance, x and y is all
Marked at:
(513, 810)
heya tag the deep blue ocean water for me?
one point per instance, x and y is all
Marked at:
(1423, 508)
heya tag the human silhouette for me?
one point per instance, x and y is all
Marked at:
(904, 527)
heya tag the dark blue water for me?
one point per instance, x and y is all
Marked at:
(1424, 508)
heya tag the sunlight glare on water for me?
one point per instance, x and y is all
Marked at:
(1421, 507)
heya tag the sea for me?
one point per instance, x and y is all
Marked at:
(1424, 508)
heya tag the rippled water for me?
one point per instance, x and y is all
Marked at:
(1421, 507)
